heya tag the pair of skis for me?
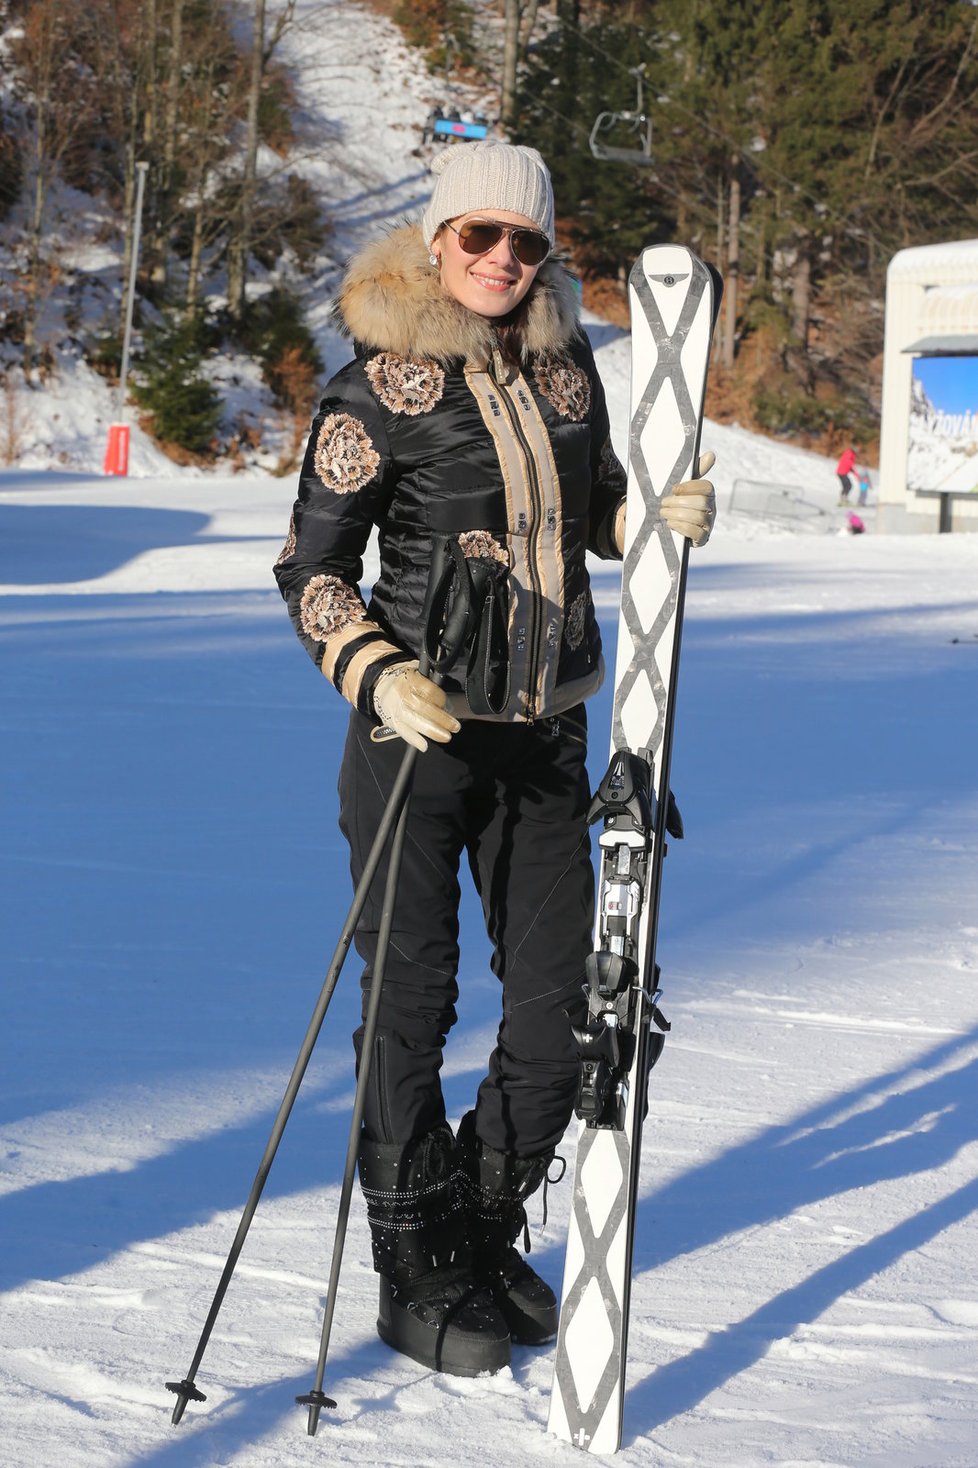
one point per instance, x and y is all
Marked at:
(674, 300)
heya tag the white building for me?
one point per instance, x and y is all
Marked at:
(927, 452)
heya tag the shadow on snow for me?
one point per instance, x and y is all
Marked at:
(819, 1154)
(44, 544)
(197, 780)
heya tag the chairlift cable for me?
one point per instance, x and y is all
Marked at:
(660, 183)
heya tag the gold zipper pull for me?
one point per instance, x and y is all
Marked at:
(502, 372)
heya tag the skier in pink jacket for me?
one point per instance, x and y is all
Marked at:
(844, 470)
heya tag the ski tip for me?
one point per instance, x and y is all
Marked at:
(186, 1391)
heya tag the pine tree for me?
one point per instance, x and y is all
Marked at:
(170, 384)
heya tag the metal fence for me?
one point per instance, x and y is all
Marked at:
(782, 504)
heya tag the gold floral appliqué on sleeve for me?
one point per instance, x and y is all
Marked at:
(345, 459)
(288, 549)
(564, 386)
(328, 605)
(409, 385)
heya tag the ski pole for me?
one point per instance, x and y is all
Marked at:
(316, 1399)
(187, 1390)
(448, 618)
(447, 625)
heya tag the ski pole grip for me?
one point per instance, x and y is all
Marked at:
(449, 610)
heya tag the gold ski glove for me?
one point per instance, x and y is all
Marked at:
(413, 707)
(689, 510)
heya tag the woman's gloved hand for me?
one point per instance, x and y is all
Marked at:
(413, 707)
(690, 509)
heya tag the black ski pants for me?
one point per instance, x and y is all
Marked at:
(514, 798)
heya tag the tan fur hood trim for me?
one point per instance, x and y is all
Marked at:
(392, 300)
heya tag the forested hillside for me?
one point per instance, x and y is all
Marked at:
(796, 143)
(195, 89)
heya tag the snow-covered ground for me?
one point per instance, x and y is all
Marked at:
(173, 883)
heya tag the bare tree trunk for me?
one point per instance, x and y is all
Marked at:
(129, 198)
(155, 245)
(42, 166)
(511, 51)
(196, 246)
(34, 265)
(238, 245)
(760, 250)
(171, 112)
(529, 22)
(801, 296)
(151, 98)
(733, 269)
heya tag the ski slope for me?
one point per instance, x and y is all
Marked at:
(173, 881)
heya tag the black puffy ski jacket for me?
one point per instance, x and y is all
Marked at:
(429, 433)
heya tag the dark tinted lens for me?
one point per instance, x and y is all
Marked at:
(529, 247)
(476, 238)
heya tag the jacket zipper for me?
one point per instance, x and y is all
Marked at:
(536, 500)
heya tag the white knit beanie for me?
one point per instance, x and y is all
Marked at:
(489, 175)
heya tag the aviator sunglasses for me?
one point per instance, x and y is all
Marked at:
(479, 236)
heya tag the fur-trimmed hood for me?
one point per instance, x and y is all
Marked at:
(392, 300)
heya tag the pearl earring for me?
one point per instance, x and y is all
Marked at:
(432, 258)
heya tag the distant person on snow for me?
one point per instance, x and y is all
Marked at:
(865, 484)
(844, 470)
(471, 411)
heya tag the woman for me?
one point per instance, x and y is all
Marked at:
(472, 413)
(844, 468)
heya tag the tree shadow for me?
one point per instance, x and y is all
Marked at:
(17, 478)
(46, 544)
(901, 1127)
(212, 1433)
(354, 214)
(53, 1229)
(684, 1384)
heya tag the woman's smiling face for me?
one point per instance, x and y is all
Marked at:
(491, 284)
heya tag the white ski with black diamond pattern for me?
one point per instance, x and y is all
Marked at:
(674, 298)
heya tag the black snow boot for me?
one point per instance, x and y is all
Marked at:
(493, 1188)
(431, 1308)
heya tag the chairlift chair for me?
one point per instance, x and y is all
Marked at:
(637, 124)
(449, 125)
(447, 122)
